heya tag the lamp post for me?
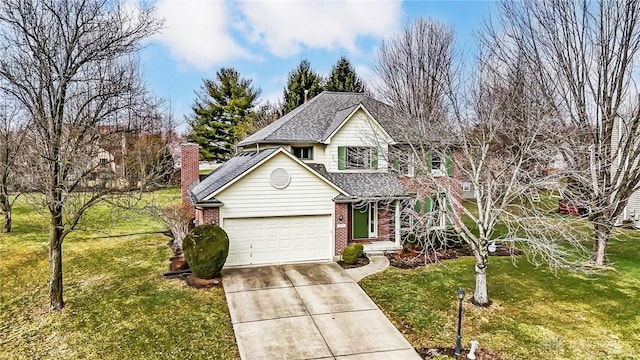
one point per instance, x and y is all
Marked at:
(459, 336)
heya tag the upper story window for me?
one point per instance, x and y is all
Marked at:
(437, 165)
(406, 161)
(357, 158)
(402, 162)
(303, 152)
(466, 186)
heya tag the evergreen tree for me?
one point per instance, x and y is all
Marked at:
(300, 79)
(223, 113)
(343, 78)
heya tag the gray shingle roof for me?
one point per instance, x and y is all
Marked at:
(364, 184)
(313, 121)
(228, 171)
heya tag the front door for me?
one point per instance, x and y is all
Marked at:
(365, 220)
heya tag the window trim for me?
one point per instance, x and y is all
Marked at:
(466, 186)
(302, 151)
(370, 162)
(440, 170)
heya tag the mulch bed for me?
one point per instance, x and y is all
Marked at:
(432, 353)
(177, 263)
(195, 282)
(362, 261)
(410, 258)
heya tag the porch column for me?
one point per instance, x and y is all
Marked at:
(396, 224)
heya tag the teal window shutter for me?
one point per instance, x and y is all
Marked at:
(449, 161)
(427, 205)
(395, 163)
(374, 158)
(417, 206)
(342, 157)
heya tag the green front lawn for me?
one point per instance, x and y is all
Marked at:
(118, 304)
(535, 314)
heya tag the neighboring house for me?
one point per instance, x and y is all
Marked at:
(468, 190)
(317, 179)
(631, 212)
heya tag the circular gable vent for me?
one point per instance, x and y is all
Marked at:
(280, 178)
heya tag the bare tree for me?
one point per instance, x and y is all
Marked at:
(584, 55)
(147, 160)
(69, 65)
(507, 138)
(12, 133)
(499, 134)
(412, 67)
(177, 219)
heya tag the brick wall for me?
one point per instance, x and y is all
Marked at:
(423, 186)
(189, 172)
(211, 216)
(341, 232)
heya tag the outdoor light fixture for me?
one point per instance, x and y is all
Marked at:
(340, 217)
(459, 336)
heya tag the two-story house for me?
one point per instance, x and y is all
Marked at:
(305, 186)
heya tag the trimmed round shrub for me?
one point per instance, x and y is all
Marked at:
(351, 253)
(206, 248)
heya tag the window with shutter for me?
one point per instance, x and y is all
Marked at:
(357, 157)
(342, 157)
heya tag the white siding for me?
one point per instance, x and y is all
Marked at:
(632, 210)
(253, 195)
(615, 144)
(318, 154)
(359, 130)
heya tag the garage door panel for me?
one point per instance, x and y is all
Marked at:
(278, 239)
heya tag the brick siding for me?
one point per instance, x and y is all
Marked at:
(341, 234)
(189, 173)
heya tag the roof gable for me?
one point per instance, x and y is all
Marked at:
(341, 120)
(241, 165)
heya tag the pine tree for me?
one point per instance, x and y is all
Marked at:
(343, 78)
(300, 79)
(223, 114)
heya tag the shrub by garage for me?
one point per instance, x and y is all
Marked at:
(206, 248)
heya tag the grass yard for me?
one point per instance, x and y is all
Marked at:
(118, 306)
(535, 315)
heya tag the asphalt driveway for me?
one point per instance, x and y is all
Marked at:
(308, 311)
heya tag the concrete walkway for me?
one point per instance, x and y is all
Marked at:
(308, 311)
(377, 263)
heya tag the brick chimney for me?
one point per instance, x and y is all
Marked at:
(189, 172)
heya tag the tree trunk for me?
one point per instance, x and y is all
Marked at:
(601, 240)
(7, 221)
(480, 296)
(55, 257)
(55, 263)
(5, 206)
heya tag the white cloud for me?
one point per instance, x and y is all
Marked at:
(197, 32)
(284, 27)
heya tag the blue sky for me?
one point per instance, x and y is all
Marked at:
(265, 40)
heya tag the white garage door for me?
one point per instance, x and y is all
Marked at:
(278, 240)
